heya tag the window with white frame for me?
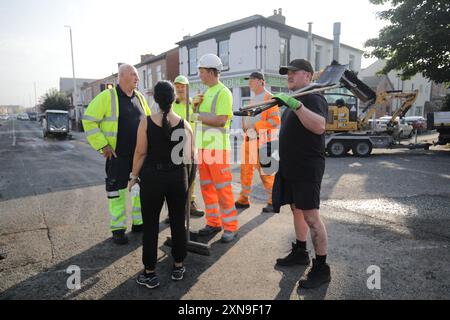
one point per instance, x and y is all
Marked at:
(192, 57)
(158, 73)
(144, 77)
(317, 56)
(149, 78)
(224, 54)
(284, 51)
(351, 62)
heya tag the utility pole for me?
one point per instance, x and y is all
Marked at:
(75, 95)
(35, 98)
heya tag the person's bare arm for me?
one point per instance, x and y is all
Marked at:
(140, 153)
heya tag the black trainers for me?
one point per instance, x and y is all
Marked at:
(208, 230)
(195, 212)
(318, 275)
(151, 281)
(137, 228)
(298, 256)
(268, 209)
(239, 205)
(177, 273)
(119, 237)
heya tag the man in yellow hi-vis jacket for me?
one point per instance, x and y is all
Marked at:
(111, 121)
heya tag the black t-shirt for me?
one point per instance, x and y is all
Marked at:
(130, 113)
(302, 153)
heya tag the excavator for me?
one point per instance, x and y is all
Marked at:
(346, 130)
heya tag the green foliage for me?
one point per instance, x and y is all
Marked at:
(54, 100)
(417, 40)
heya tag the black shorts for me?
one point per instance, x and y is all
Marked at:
(305, 195)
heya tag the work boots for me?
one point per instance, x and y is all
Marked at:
(318, 275)
(298, 256)
(195, 212)
(119, 237)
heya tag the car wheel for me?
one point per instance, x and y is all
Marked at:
(362, 149)
(336, 148)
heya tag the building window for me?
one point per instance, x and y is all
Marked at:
(279, 89)
(351, 62)
(284, 51)
(224, 54)
(158, 73)
(419, 111)
(192, 57)
(245, 92)
(144, 76)
(317, 57)
(149, 78)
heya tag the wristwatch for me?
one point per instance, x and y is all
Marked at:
(132, 177)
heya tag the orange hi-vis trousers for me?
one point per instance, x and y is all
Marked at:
(215, 180)
(250, 162)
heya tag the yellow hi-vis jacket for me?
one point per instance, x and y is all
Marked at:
(101, 118)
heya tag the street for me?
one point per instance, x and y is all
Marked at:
(390, 210)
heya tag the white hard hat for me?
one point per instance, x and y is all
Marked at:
(210, 61)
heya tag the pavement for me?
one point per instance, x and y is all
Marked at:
(391, 211)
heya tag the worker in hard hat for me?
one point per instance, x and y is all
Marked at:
(111, 123)
(179, 107)
(213, 112)
(258, 131)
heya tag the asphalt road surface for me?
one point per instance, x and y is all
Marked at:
(388, 213)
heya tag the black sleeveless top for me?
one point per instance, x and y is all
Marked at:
(162, 152)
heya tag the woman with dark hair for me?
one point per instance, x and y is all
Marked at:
(164, 146)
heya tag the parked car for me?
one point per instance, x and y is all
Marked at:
(23, 116)
(418, 123)
(405, 130)
(32, 116)
(4, 117)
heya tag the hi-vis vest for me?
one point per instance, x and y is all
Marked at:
(267, 123)
(101, 118)
(213, 138)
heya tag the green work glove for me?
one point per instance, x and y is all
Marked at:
(286, 100)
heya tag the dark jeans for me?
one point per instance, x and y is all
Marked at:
(157, 186)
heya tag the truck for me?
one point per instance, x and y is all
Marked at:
(440, 121)
(347, 131)
(56, 123)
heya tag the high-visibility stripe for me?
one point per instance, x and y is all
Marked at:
(89, 118)
(109, 119)
(115, 218)
(93, 131)
(110, 134)
(213, 215)
(212, 206)
(272, 122)
(136, 209)
(206, 128)
(205, 182)
(137, 218)
(247, 187)
(113, 103)
(122, 224)
(214, 103)
(229, 211)
(231, 219)
(223, 185)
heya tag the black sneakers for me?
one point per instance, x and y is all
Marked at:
(177, 273)
(268, 209)
(208, 230)
(195, 212)
(318, 275)
(239, 205)
(151, 281)
(119, 237)
(298, 256)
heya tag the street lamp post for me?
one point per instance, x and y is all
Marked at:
(75, 95)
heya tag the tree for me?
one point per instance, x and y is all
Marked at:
(54, 100)
(418, 39)
(446, 104)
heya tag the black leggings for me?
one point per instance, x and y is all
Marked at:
(157, 185)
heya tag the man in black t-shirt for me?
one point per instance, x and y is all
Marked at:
(302, 164)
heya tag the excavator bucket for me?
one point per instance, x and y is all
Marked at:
(350, 81)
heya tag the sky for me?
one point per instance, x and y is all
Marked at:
(35, 45)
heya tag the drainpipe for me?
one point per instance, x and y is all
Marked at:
(336, 44)
(309, 41)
